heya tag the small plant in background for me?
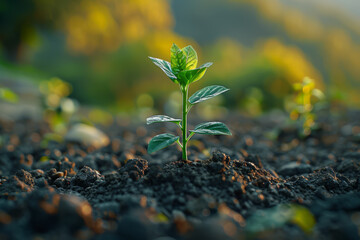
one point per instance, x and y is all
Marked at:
(302, 108)
(58, 108)
(182, 70)
(8, 95)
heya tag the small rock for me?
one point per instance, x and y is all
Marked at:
(57, 175)
(87, 135)
(347, 130)
(176, 214)
(348, 165)
(86, 177)
(25, 177)
(45, 166)
(111, 176)
(293, 168)
(38, 173)
(220, 157)
(59, 182)
(216, 167)
(135, 168)
(255, 160)
(41, 182)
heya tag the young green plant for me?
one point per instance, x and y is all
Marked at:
(182, 70)
(306, 97)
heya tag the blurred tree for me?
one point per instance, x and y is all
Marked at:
(89, 25)
(18, 22)
(259, 78)
(103, 25)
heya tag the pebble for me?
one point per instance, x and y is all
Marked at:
(87, 135)
(86, 177)
(293, 168)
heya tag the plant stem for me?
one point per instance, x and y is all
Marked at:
(184, 122)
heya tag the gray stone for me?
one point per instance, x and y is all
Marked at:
(87, 135)
(294, 168)
(86, 177)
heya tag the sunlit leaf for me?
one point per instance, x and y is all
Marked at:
(318, 94)
(212, 128)
(8, 95)
(297, 86)
(161, 118)
(277, 217)
(190, 76)
(207, 93)
(165, 66)
(178, 59)
(303, 218)
(191, 57)
(160, 218)
(308, 82)
(161, 141)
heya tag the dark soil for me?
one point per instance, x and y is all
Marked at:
(241, 187)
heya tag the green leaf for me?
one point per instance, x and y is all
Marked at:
(166, 67)
(178, 59)
(190, 76)
(191, 57)
(8, 95)
(277, 217)
(207, 93)
(161, 141)
(161, 118)
(212, 128)
(318, 94)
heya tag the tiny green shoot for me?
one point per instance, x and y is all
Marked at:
(182, 70)
(306, 96)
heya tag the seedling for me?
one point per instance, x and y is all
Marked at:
(306, 96)
(182, 70)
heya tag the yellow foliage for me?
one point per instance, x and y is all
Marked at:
(339, 50)
(227, 55)
(295, 22)
(54, 90)
(103, 25)
(292, 61)
(343, 52)
(99, 116)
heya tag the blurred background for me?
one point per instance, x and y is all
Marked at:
(95, 52)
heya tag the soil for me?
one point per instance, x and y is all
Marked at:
(247, 186)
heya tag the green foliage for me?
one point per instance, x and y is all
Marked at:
(166, 67)
(58, 108)
(161, 141)
(178, 59)
(162, 118)
(8, 95)
(191, 57)
(211, 128)
(207, 93)
(182, 70)
(190, 76)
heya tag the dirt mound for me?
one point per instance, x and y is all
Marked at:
(250, 187)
